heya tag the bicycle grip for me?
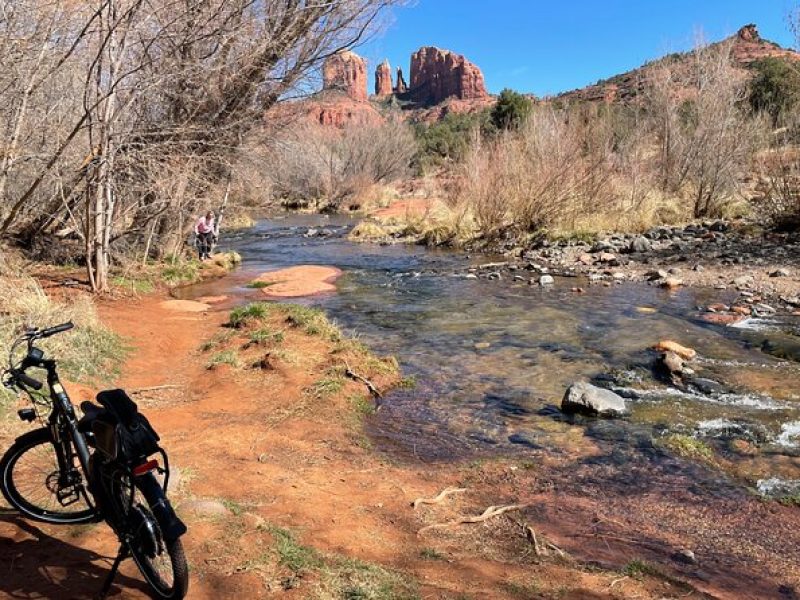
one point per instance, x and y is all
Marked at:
(29, 381)
(57, 329)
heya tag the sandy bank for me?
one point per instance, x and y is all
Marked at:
(294, 282)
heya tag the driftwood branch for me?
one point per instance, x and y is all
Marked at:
(541, 547)
(436, 500)
(370, 386)
(490, 512)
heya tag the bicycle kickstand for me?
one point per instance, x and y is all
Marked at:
(121, 555)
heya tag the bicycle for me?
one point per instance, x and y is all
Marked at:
(95, 468)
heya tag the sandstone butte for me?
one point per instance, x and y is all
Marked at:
(401, 87)
(437, 75)
(346, 71)
(343, 100)
(383, 80)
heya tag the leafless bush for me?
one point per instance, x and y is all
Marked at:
(779, 181)
(548, 173)
(311, 162)
(705, 138)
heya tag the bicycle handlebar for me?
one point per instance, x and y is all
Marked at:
(31, 335)
(44, 333)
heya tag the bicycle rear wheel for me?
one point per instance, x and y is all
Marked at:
(33, 483)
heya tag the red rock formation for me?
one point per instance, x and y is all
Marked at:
(749, 33)
(402, 86)
(749, 46)
(383, 79)
(451, 105)
(332, 109)
(347, 72)
(440, 74)
(342, 113)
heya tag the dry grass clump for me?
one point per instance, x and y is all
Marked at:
(440, 224)
(89, 352)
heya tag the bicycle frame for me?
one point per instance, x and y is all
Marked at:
(62, 406)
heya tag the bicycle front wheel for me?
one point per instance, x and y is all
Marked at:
(32, 481)
(161, 561)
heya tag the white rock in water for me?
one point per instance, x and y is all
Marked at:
(546, 280)
(588, 399)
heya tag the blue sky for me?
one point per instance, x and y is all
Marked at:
(545, 47)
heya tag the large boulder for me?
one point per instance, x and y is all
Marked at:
(587, 399)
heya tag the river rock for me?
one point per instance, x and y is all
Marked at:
(707, 386)
(743, 281)
(722, 319)
(672, 363)
(671, 283)
(640, 245)
(685, 555)
(780, 273)
(764, 309)
(670, 346)
(608, 257)
(546, 280)
(656, 275)
(587, 399)
(586, 259)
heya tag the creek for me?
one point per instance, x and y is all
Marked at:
(491, 359)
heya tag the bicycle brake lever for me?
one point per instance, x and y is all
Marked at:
(7, 380)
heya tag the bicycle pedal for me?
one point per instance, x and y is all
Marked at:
(68, 497)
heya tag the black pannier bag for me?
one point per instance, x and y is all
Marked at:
(121, 431)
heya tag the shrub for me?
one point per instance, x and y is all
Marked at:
(775, 88)
(545, 174)
(448, 140)
(511, 111)
(704, 138)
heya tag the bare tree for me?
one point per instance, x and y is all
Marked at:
(705, 137)
(165, 86)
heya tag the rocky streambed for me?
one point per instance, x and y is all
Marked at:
(763, 265)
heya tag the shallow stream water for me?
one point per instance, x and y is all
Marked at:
(492, 359)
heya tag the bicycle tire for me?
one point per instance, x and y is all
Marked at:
(116, 498)
(21, 500)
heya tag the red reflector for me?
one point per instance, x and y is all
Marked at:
(143, 468)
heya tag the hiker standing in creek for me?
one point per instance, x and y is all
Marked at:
(206, 234)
